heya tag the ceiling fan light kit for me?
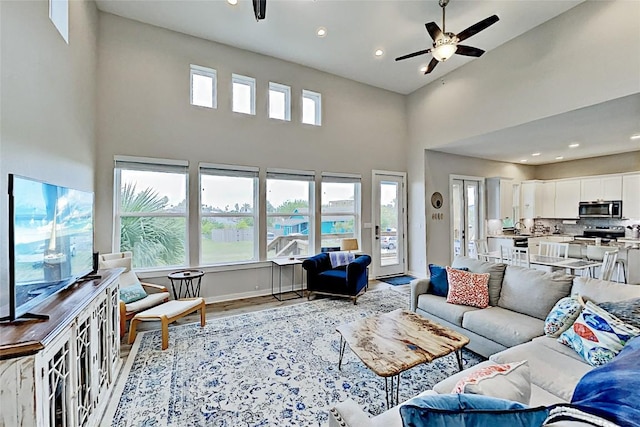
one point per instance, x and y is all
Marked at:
(446, 44)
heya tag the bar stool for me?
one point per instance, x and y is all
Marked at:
(596, 253)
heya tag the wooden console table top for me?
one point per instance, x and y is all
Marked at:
(26, 337)
(393, 342)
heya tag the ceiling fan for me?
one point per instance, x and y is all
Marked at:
(446, 44)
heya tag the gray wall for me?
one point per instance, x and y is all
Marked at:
(557, 67)
(143, 110)
(616, 163)
(47, 125)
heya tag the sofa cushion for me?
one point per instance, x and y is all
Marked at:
(469, 410)
(601, 290)
(532, 292)
(503, 326)
(562, 315)
(597, 335)
(439, 307)
(511, 381)
(553, 344)
(468, 288)
(496, 272)
(550, 370)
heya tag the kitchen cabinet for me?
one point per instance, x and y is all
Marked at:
(495, 243)
(534, 242)
(531, 192)
(631, 196)
(607, 187)
(548, 208)
(567, 198)
(500, 198)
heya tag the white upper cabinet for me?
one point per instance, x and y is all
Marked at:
(548, 208)
(500, 198)
(531, 192)
(631, 196)
(567, 198)
(601, 188)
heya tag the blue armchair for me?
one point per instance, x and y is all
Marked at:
(349, 280)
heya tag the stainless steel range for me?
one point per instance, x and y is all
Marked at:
(604, 232)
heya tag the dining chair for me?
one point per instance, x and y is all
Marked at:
(554, 249)
(515, 256)
(481, 248)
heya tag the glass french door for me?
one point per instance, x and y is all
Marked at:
(465, 212)
(389, 223)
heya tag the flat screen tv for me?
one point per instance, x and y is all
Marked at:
(50, 242)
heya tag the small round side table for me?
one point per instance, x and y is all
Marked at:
(188, 279)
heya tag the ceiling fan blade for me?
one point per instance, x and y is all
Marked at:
(433, 30)
(469, 51)
(411, 55)
(431, 65)
(477, 27)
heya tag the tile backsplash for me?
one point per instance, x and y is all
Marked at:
(581, 224)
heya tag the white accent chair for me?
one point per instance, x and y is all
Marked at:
(515, 256)
(156, 294)
(554, 249)
(597, 253)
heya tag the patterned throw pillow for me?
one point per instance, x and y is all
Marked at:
(511, 381)
(597, 336)
(562, 316)
(467, 288)
(132, 293)
(628, 310)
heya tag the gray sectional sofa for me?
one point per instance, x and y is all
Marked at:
(511, 329)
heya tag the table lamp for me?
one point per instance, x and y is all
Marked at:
(349, 245)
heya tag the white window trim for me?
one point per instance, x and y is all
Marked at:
(150, 164)
(59, 15)
(317, 99)
(255, 214)
(249, 81)
(286, 90)
(206, 72)
(357, 205)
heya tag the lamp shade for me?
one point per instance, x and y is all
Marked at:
(349, 245)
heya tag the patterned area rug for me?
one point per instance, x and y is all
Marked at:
(276, 367)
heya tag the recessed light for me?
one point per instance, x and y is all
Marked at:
(321, 32)
(232, 2)
(379, 52)
(636, 136)
(523, 161)
(423, 69)
(535, 154)
(559, 158)
(574, 145)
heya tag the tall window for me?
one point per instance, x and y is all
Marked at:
(151, 211)
(340, 208)
(279, 101)
(228, 214)
(289, 213)
(311, 108)
(244, 94)
(203, 87)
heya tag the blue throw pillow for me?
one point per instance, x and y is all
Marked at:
(438, 279)
(467, 410)
(132, 293)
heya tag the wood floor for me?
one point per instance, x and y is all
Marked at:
(241, 306)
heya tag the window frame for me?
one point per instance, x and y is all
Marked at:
(151, 165)
(248, 81)
(316, 97)
(293, 175)
(228, 170)
(286, 90)
(204, 72)
(356, 179)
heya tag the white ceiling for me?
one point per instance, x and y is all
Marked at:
(356, 28)
(600, 129)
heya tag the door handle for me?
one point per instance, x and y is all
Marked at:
(377, 232)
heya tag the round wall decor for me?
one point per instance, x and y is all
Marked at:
(436, 200)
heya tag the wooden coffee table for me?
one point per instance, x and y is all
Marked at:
(394, 342)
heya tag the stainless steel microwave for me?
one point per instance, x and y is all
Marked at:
(600, 209)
